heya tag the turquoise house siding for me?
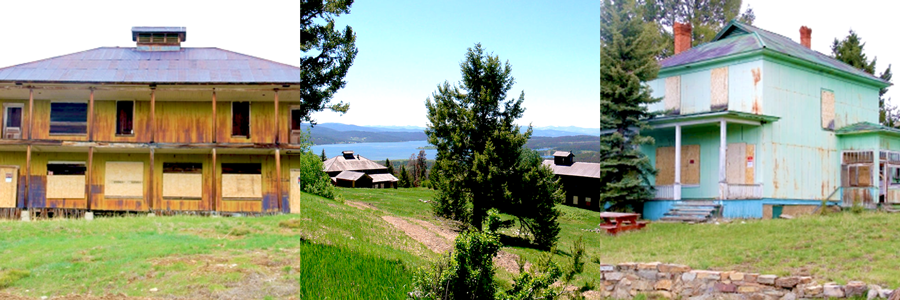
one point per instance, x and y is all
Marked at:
(732, 209)
(745, 86)
(695, 92)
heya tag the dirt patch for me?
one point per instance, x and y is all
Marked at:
(361, 205)
(430, 239)
(443, 232)
(509, 262)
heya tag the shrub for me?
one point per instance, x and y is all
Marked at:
(312, 179)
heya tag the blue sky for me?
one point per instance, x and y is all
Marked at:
(407, 48)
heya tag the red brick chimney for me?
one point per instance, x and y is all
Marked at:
(682, 36)
(805, 36)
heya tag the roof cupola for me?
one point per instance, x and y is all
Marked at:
(158, 38)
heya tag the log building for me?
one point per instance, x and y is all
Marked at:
(156, 127)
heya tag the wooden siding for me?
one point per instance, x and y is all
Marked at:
(99, 199)
(184, 122)
(105, 122)
(38, 185)
(42, 125)
(262, 121)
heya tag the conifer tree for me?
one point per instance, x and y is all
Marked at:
(404, 181)
(850, 50)
(389, 165)
(627, 62)
(324, 158)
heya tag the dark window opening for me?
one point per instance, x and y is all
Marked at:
(194, 168)
(240, 119)
(68, 118)
(66, 168)
(295, 119)
(125, 117)
(241, 168)
(14, 117)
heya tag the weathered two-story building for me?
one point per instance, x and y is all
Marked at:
(579, 179)
(156, 127)
(757, 122)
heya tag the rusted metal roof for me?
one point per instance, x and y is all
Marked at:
(376, 178)
(350, 175)
(356, 163)
(579, 169)
(738, 38)
(129, 66)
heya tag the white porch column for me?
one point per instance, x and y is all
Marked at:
(723, 145)
(876, 170)
(677, 162)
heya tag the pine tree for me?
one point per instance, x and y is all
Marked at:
(331, 55)
(404, 181)
(627, 62)
(389, 165)
(850, 50)
(324, 158)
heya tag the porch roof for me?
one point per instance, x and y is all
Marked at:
(866, 127)
(711, 117)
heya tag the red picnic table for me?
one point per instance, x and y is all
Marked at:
(615, 222)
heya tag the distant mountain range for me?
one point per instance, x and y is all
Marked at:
(337, 133)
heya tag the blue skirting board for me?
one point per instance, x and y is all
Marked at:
(731, 209)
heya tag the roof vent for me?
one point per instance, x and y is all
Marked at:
(158, 38)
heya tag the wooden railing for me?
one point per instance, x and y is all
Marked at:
(743, 191)
(665, 192)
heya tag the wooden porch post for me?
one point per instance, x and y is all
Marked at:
(876, 169)
(28, 176)
(88, 173)
(677, 162)
(278, 176)
(91, 117)
(277, 125)
(214, 117)
(150, 194)
(723, 146)
(213, 192)
(152, 114)
(30, 114)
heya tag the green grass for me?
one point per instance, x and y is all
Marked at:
(838, 247)
(177, 255)
(337, 273)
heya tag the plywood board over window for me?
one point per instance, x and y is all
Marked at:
(740, 163)
(294, 183)
(124, 179)
(672, 99)
(8, 186)
(241, 181)
(719, 89)
(690, 165)
(65, 180)
(828, 109)
(182, 181)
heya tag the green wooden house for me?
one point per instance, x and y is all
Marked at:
(762, 124)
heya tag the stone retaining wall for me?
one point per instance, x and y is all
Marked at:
(625, 280)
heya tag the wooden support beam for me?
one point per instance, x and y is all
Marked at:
(28, 177)
(88, 173)
(30, 112)
(215, 119)
(277, 125)
(213, 192)
(91, 117)
(150, 195)
(152, 115)
(278, 182)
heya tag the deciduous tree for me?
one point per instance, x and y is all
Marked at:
(627, 62)
(328, 55)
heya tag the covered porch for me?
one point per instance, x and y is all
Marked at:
(870, 165)
(716, 152)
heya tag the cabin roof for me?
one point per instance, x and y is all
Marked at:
(579, 169)
(738, 38)
(350, 175)
(562, 153)
(376, 178)
(357, 163)
(866, 127)
(127, 65)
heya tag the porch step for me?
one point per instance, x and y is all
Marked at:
(692, 212)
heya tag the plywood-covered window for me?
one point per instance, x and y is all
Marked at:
(856, 175)
(68, 118)
(240, 119)
(719, 89)
(690, 165)
(65, 180)
(182, 181)
(740, 163)
(124, 117)
(124, 179)
(241, 181)
(672, 99)
(827, 110)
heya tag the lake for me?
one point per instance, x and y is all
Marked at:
(377, 151)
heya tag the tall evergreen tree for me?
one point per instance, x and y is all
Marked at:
(322, 73)
(324, 158)
(851, 51)
(404, 181)
(627, 62)
(389, 165)
(421, 167)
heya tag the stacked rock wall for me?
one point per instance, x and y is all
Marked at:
(626, 280)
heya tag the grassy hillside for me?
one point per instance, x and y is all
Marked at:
(196, 257)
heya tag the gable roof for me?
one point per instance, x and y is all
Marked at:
(737, 38)
(579, 169)
(376, 178)
(130, 66)
(356, 163)
(351, 175)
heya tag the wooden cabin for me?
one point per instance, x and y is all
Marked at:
(156, 127)
(353, 170)
(580, 180)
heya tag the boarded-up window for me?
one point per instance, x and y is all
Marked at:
(240, 119)
(65, 180)
(124, 179)
(719, 89)
(241, 181)
(856, 175)
(68, 118)
(827, 109)
(672, 99)
(740, 163)
(183, 181)
(690, 165)
(124, 117)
